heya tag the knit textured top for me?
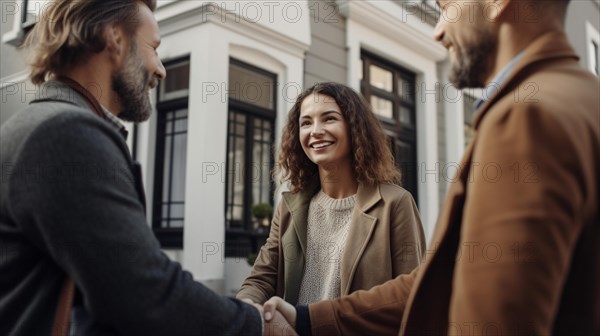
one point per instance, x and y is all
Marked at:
(328, 226)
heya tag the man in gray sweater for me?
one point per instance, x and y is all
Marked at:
(71, 200)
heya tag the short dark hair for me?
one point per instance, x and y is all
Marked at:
(70, 30)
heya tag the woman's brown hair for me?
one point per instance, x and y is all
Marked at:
(371, 156)
(68, 31)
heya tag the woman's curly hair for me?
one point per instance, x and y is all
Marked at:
(371, 155)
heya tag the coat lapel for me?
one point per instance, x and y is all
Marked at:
(362, 226)
(293, 240)
(455, 198)
(429, 296)
(139, 184)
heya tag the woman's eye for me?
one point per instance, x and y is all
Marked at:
(304, 123)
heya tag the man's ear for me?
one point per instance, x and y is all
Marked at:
(496, 8)
(116, 43)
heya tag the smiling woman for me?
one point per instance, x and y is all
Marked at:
(324, 136)
(335, 156)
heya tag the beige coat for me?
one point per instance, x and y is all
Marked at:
(385, 240)
(517, 246)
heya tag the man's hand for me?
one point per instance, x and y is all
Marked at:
(277, 304)
(278, 325)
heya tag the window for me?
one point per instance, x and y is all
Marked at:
(391, 91)
(24, 13)
(32, 11)
(170, 162)
(431, 4)
(431, 10)
(250, 135)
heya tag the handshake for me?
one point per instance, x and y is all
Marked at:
(279, 316)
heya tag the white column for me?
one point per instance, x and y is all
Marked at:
(204, 231)
(427, 150)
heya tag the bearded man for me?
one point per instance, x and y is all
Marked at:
(516, 253)
(78, 255)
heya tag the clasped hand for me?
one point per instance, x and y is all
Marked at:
(279, 316)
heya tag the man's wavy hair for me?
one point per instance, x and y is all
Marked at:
(371, 155)
(68, 31)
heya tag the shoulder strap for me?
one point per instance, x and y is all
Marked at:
(65, 301)
(63, 310)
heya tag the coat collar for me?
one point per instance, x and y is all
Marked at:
(366, 197)
(551, 45)
(361, 230)
(56, 91)
(298, 204)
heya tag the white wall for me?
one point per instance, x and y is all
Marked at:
(210, 37)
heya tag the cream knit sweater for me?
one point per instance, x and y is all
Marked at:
(328, 226)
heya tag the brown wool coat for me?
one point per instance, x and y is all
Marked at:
(518, 251)
(385, 240)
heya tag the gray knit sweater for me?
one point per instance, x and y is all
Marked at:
(328, 226)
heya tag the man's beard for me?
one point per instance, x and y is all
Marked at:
(472, 64)
(131, 84)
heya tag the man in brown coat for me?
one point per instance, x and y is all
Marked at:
(517, 246)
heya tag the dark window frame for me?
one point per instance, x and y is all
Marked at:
(236, 238)
(25, 24)
(369, 90)
(397, 131)
(168, 237)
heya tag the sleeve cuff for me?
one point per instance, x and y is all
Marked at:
(303, 326)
